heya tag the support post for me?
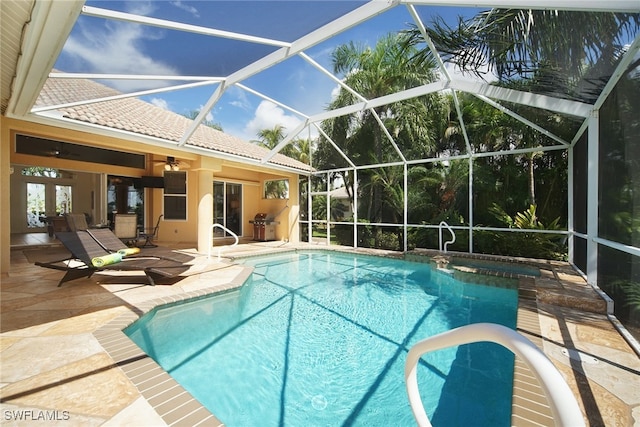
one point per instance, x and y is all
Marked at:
(205, 209)
(592, 198)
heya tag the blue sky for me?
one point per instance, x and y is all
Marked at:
(97, 45)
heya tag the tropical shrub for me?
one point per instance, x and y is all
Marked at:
(523, 244)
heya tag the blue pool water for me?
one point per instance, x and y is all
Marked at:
(321, 338)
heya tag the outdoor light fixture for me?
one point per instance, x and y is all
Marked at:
(171, 164)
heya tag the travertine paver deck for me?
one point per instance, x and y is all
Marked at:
(54, 360)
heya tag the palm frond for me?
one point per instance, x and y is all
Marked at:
(520, 42)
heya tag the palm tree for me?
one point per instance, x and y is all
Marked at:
(491, 130)
(302, 150)
(269, 138)
(519, 42)
(194, 113)
(373, 72)
(299, 149)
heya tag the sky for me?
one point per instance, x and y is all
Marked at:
(97, 45)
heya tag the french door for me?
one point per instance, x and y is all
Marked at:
(46, 199)
(227, 207)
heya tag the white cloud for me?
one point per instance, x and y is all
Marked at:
(267, 116)
(240, 99)
(159, 102)
(324, 55)
(117, 48)
(140, 8)
(335, 92)
(456, 73)
(190, 9)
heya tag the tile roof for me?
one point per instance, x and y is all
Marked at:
(135, 115)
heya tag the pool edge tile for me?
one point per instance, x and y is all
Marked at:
(154, 384)
(525, 384)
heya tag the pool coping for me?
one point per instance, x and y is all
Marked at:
(176, 406)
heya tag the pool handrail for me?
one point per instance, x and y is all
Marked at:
(216, 225)
(564, 407)
(453, 235)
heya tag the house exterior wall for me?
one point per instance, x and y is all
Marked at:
(203, 171)
(254, 201)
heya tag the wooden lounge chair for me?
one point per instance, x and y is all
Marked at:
(84, 248)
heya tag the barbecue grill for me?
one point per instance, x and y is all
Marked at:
(264, 227)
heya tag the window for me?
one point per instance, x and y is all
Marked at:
(41, 172)
(175, 195)
(276, 189)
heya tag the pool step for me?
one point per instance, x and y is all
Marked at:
(558, 284)
(527, 289)
(484, 276)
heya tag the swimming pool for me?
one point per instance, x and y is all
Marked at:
(320, 338)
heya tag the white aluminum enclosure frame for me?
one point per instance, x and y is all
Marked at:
(53, 21)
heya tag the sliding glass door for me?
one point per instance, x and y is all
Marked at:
(227, 207)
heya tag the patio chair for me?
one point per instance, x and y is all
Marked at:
(86, 251)
(125, 226)
(76, 222)
(149, 234)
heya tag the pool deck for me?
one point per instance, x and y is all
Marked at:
(64, 359)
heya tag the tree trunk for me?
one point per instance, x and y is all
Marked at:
(532, 187)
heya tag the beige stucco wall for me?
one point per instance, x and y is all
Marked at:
(200, 176)
(254, 202)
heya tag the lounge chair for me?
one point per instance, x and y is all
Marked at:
(86, 250)
(76, 222)
(111, 243)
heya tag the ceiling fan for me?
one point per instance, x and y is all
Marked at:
(61, 151)
(173, 164)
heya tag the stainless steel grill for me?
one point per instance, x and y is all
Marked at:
(264, 227)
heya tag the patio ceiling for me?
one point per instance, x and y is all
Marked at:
(252, 41)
